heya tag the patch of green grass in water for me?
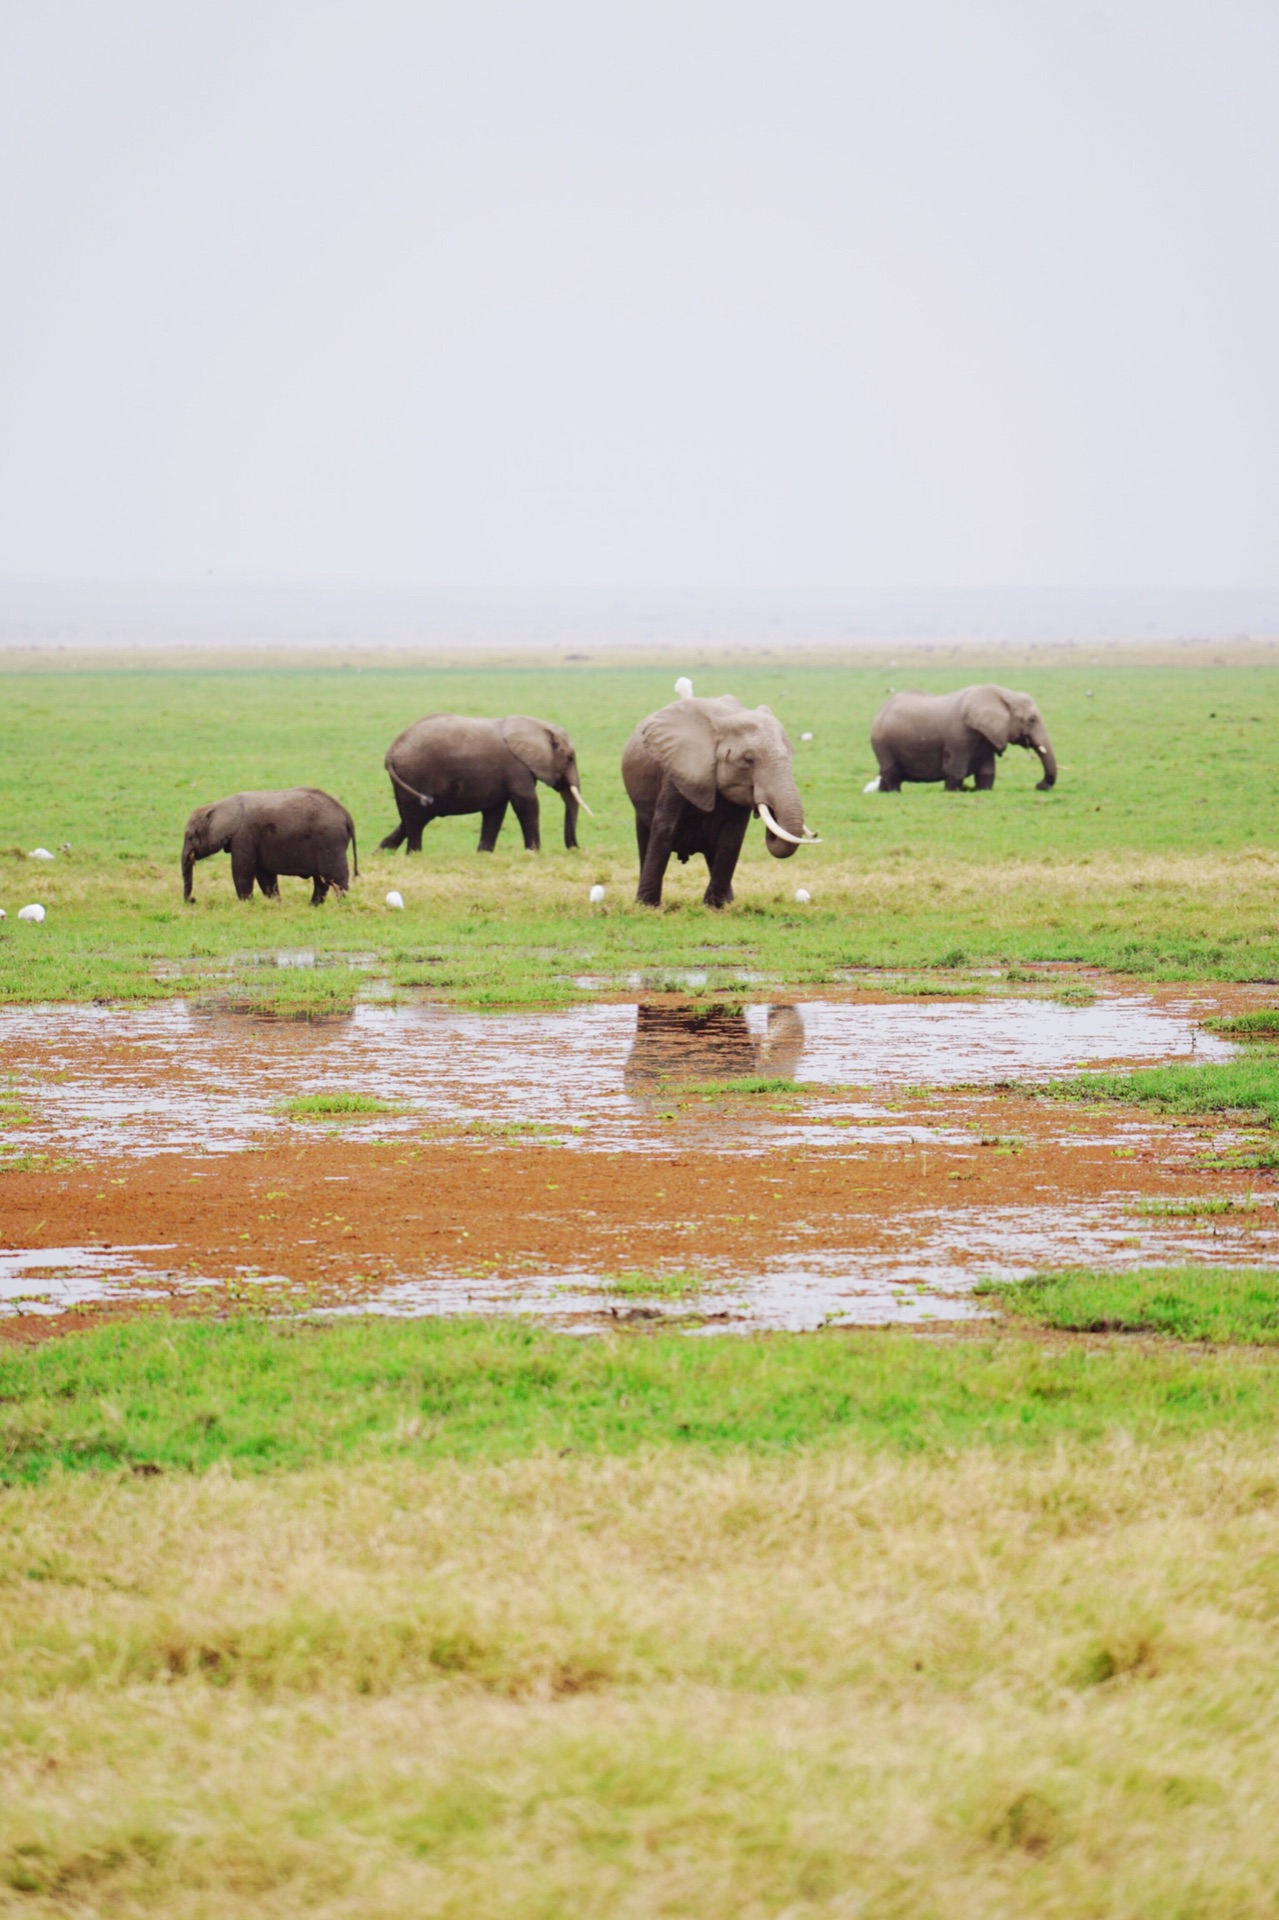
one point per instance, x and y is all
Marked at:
(657, 1286)
(1214, 1304)
(1263, 1025)
(1247, 1085)
(341, 1103)
(270, 1394)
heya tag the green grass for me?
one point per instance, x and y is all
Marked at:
(1249, 1085)
(341, 1103)
(1263, 1025)
(258, 1394)
(1128, 863)
(657, 1286)
(1182, 1303)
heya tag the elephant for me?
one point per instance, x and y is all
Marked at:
(297, 830)
(445, 764)
(695, 771)
(674, 1044)
(947, 736)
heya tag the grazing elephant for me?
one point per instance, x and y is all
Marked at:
(674, 1044)
(947, 736)
(696, 771)
(299, 830)
(448, 764)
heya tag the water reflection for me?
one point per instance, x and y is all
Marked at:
(675, 1045)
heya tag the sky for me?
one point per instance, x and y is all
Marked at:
(694, 293)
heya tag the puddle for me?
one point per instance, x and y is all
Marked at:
(54, 1279)
(878, 1172)
(178, 1078)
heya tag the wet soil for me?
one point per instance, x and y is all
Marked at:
(802, 1205)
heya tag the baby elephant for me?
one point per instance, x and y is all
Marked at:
(298, 830)
(947, 736)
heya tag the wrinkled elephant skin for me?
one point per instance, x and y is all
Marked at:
(296, 830)
(446, 763)
(695, 771)
(952, 736)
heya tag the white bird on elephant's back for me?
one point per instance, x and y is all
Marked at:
(684, 687)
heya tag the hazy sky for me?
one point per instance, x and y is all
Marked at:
(595, 292)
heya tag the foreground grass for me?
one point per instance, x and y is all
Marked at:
(1122, 865)
(1182, 1303)
(817, 1684)
(257, 1394)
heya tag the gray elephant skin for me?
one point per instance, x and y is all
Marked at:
(297, 830)
(446, 763)
(696, 771)
(952, 736)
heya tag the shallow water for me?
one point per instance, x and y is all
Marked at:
(176, 1078)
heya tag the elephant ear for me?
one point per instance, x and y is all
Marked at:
(681, 738)
(985, 710)
(543, 749)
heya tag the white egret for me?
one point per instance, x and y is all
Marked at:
(803, 896)
(684, 687)
(394, 898)
(35, 913)
(597, 895)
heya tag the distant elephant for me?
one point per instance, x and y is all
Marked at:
(674, 1044)
(298, 830)
(446, 764)
(695, 772)
(947, 736)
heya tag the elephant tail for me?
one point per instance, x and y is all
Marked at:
(427, 800)
(355, 858)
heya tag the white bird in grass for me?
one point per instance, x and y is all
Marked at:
(31, 913)
(39, 853)
(394, 898)
(872, 786)
(803, 896)
(597, 895)
(684, 687)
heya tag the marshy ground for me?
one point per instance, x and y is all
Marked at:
(334, 1574)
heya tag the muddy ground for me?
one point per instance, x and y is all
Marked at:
(652, 1194)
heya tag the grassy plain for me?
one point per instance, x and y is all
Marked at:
(454, 1620)
(1155, 853)
(376, 1618)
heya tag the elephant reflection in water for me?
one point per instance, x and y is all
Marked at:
(688, 1044)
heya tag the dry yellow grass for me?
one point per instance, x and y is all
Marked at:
(813, 1687)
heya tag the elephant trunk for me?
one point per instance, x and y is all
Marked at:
(188, 872)
(786, 807)
(570, 816)
(1043, 746)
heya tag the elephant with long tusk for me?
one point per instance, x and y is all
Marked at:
(949, 736)
(446, 764)
(696, 771)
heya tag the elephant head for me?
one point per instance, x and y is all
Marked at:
(547, 752)
(710, 748)
(1000, 716)
(209, 830)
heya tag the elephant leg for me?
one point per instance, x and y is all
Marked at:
(954, 769)
(890, 777)
(415, 826)
(528, 814)
(719, 892)
(984, 772)
(319, 888)
(395, 839)
(491, 825)
(661, 832)
(268, 883)
(244, 866)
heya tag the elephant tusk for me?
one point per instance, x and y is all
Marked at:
(581, 803)
(812, 839)
(778, 833)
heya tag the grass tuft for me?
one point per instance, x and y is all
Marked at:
(1214, 1304)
